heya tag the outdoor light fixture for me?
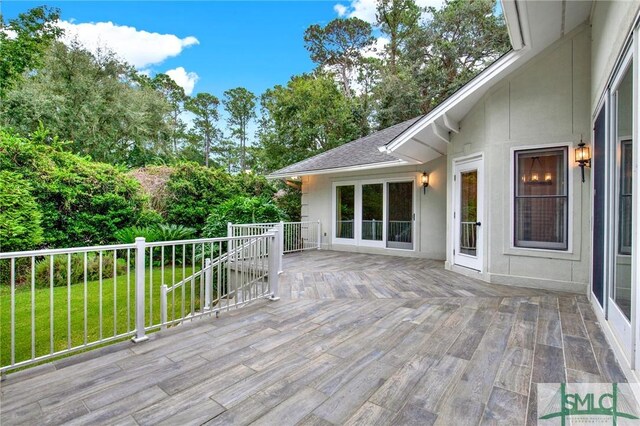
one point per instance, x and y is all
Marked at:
(534, 178)
(583, 156)
(425, 181)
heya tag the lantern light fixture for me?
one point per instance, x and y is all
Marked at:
(425, 181)
(583, 156)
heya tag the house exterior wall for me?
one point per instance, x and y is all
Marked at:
(545, 103)
(318, 204)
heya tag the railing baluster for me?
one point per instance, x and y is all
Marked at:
(85, 298)
(100, 296)
(69, 301)
(128, 290)
(51, 348)
(150, 286)
(184, 274)
(33, 307)
(193, 280)
(13, 310)
(115, 292)
(173, 282)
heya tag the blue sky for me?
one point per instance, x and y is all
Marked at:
(250, 44)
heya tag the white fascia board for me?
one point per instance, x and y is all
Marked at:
(512, 19)
(385, 164)
(493, 74)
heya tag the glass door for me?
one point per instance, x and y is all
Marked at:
(372, 220)
(345, 212)
(620, 304)
(400, 215)
(467, 214)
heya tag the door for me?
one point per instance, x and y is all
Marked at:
(598, 166)
(620, 306)
(400, 215)
(467, 214)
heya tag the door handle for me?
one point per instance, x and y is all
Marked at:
(478, 224)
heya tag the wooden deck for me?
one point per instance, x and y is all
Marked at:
(356, 339)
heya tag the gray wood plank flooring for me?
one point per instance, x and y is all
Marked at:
(355, 339)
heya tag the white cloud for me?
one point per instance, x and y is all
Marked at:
(184, 79)
(366, 9)
(340, 9)
(377, 50)
(138, 47)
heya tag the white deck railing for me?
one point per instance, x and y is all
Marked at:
(55, 302)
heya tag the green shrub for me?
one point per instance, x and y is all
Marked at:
(82, 202)
(20, 217)
(193, 191)
(241, 209)
(155, 233)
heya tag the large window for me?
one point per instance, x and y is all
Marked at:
(624, 210)
(541, 198)
(345, 211)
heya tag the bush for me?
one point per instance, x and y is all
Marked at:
(241, 209)
(82, 202)
(155, 233)
(20, 217)
(193, 191)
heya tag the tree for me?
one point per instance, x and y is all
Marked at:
(460, 40)
(176, 97)
(95, 101)
(398, 19)
(23, 42)
(205, 107)
(308, 116)
(339, 45)
(240, 104)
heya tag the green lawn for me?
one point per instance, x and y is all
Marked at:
(112, 323)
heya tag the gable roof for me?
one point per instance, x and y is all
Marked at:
(360, 153)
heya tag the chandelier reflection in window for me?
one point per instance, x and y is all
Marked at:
(537, 175)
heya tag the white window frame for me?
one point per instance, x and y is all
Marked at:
(512, 197)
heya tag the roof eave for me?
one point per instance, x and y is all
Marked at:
(380, 165)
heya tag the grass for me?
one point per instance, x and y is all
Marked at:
(117, 318)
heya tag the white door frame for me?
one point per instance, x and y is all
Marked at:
(475, 162)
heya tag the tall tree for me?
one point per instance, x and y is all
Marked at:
(23, 43)
(460, 40)
(308, 116)
(398, 19)
(339, 45)
(93, 100)
(205, 108)
(240, 105)
(176, 97)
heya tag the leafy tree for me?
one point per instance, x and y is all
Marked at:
(339, 45)
(398, 19)
(23, 42)
(460, 40)
(176, 98)
(205, 107)
(240, 104)
(20, 217)
(94, 101)
(308, 116)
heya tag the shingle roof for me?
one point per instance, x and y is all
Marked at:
(360, 152)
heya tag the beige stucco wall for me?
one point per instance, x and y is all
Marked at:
(546, 102)
(317, 204)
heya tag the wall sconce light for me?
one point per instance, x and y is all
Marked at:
(425, 181)
(583, 156)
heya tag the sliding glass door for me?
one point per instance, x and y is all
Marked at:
(374, 214)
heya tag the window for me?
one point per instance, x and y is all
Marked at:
(541, 198)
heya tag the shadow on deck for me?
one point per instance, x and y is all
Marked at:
(355, 339)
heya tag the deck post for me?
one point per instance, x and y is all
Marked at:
(319, 234)
(163, 307)
(273, 258)
(139, 291)
(229, 235)
(280, 245)
(208, 282)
